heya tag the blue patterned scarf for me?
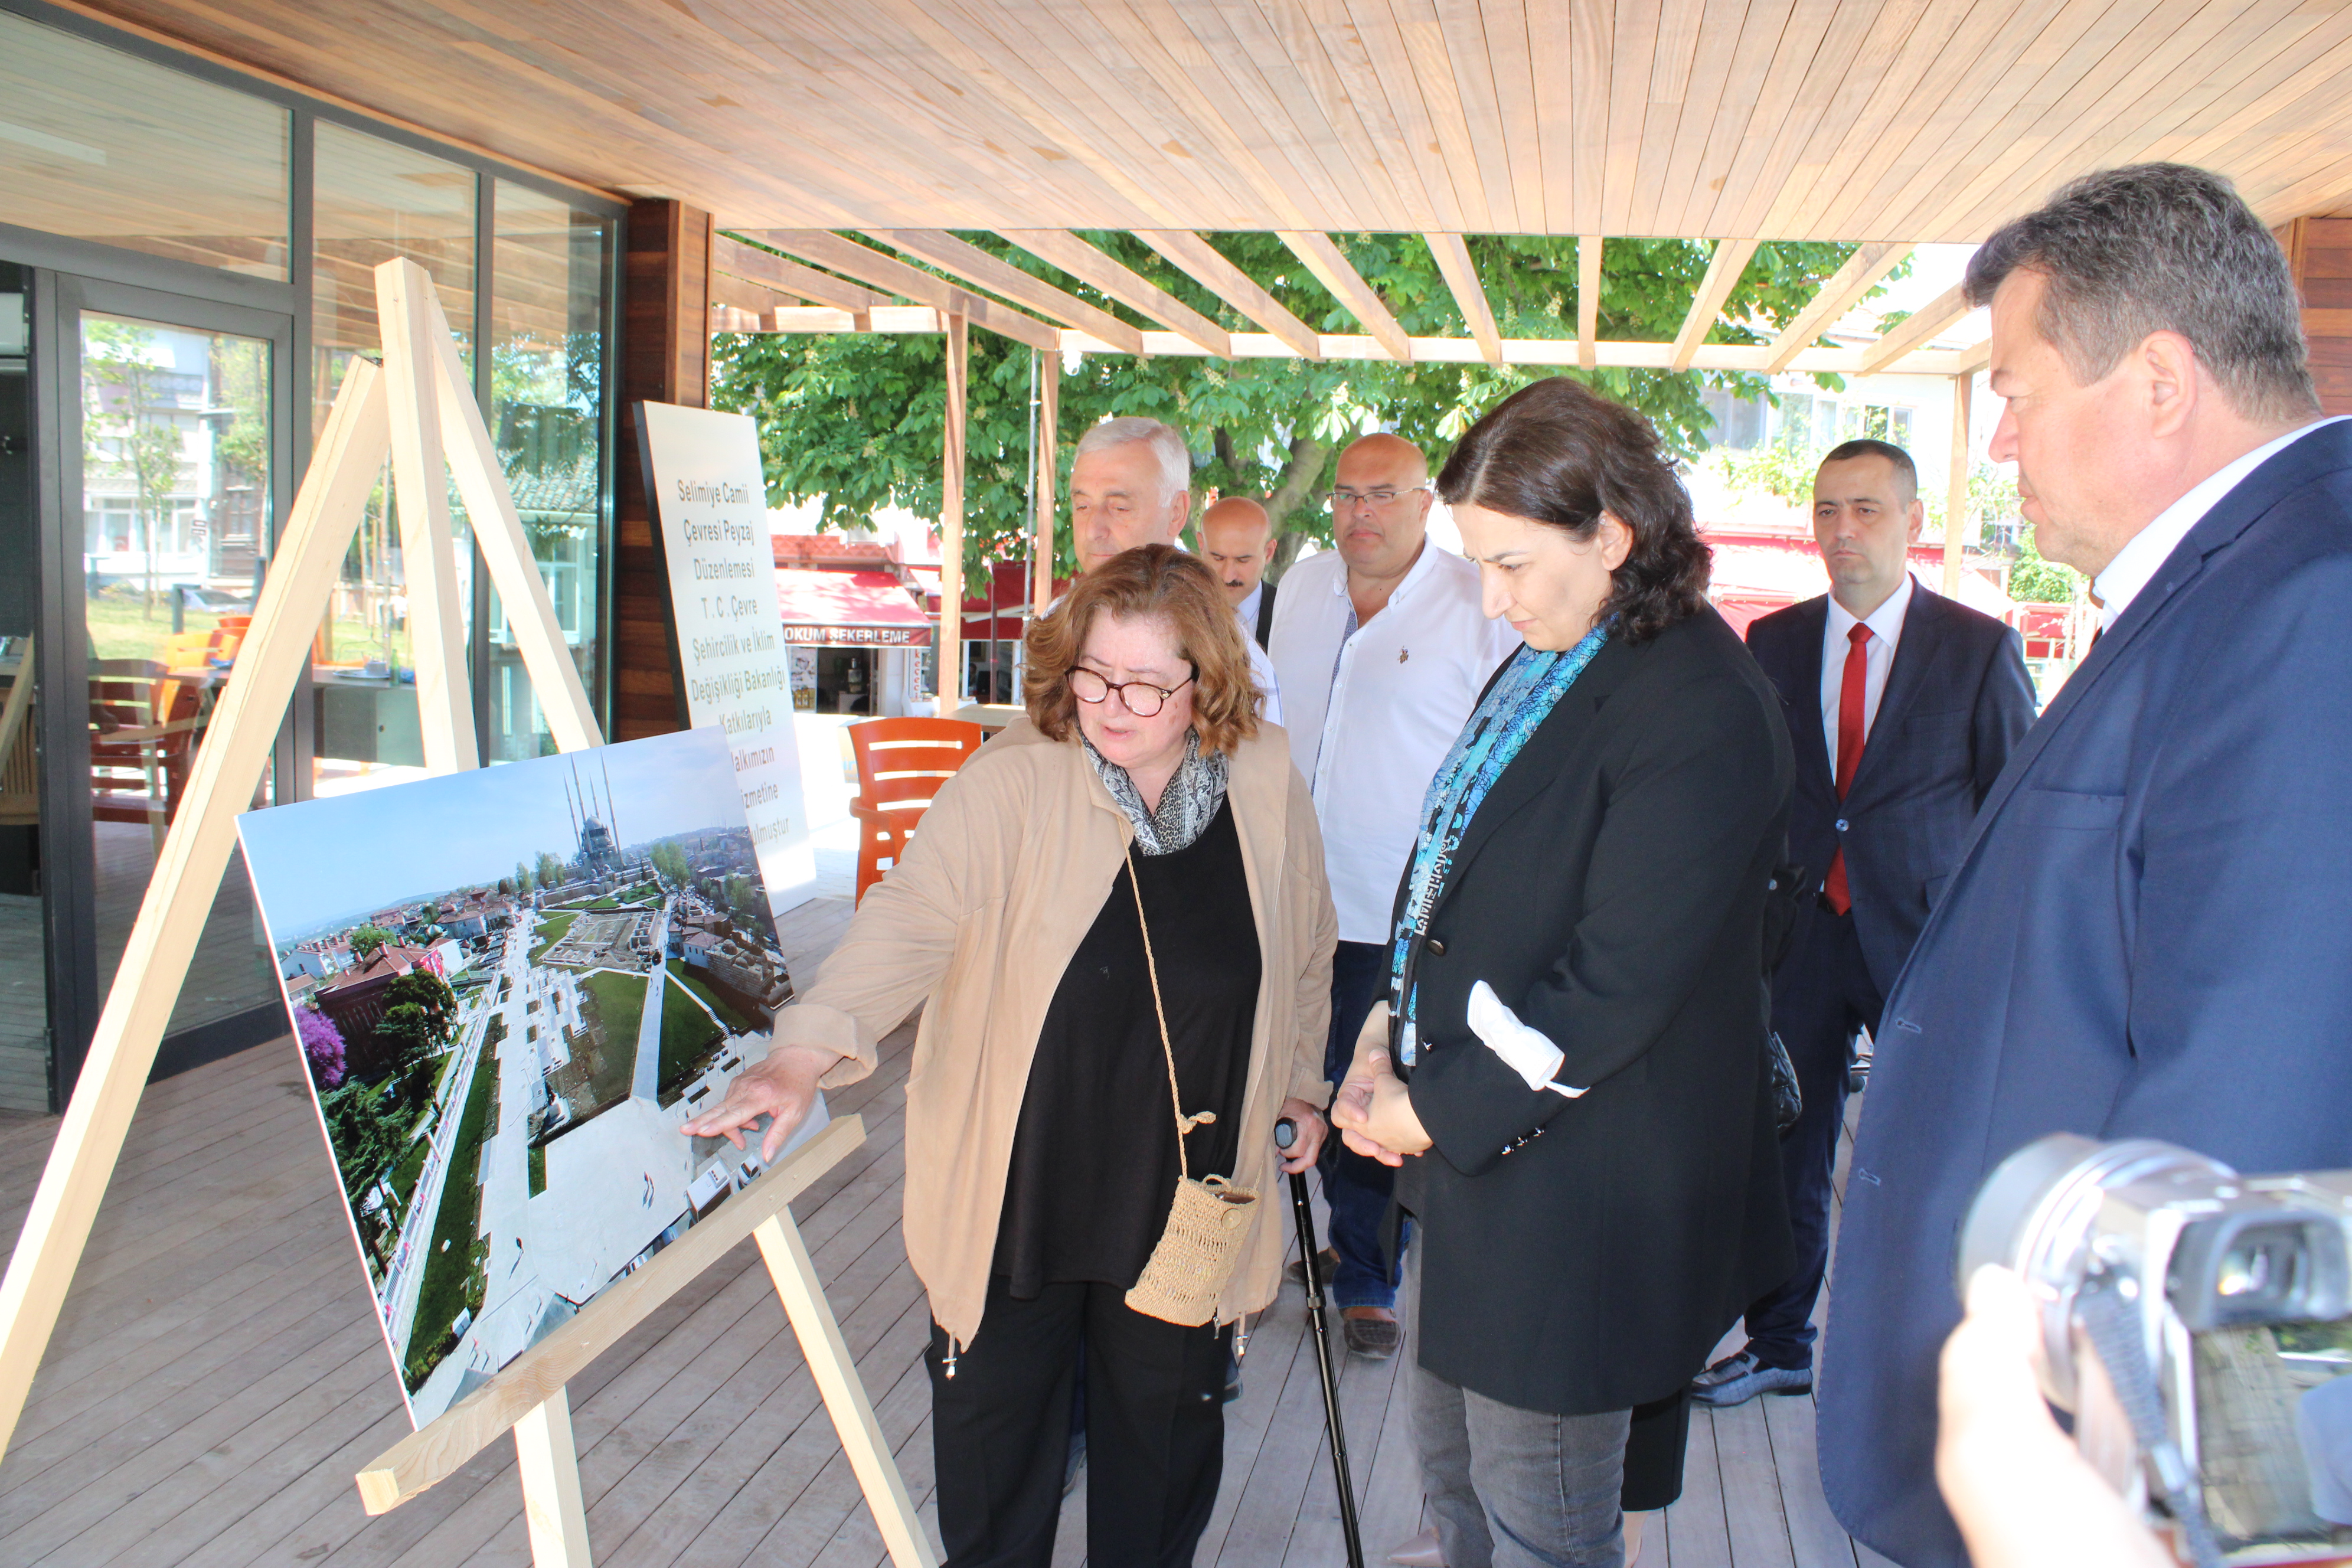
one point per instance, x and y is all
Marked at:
(1513, 709)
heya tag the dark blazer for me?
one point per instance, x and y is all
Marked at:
(1957, 700)
(1584, 1255)
(2149, 936)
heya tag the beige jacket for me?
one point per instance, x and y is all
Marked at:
(1014, 861)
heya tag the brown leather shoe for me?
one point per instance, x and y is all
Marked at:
(1420, 1551)
(1371, 1332)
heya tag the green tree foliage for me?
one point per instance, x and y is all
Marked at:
(550, 870)
(368, 1141)
(857, 420)
(430, 993)
(2034, 580)
(671, 863)
(367, 939)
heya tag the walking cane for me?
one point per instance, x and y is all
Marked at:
(1285, 1134)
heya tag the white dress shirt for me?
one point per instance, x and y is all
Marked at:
(1886, 624)
(1262, 667)
(1374, 709)
(1247, 609)
(2135, 563)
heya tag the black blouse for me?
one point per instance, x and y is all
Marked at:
(1094, 1155)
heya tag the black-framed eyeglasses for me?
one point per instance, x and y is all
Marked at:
(1140, 696)
(1383, 496)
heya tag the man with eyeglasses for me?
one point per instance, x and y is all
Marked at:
(1130, 485)
(1382, 648)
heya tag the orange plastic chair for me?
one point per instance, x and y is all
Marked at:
(900, 765)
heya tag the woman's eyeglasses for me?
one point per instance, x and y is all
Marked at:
(1141, 699)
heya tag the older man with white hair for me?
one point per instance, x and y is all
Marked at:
(1130, 485)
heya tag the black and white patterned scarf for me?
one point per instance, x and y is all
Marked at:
(1187, 805)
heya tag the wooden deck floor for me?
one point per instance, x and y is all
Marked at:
(218, 1377)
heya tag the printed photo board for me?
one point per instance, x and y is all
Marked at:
(510, 985)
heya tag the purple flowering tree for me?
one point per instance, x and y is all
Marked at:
(322, 1047)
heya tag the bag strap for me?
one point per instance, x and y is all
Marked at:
(1184, 1124)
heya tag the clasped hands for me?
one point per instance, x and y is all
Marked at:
(1373, 1111)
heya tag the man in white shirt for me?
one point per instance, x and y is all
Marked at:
(1234, 536)
(1130, 485)
(1383, 650)
(1901, 707)
(2147, 934)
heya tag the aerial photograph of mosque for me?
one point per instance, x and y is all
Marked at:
(510, 987)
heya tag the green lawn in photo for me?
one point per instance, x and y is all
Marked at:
(607, 902)
(551, 930)
(687, 1034)
(405, 1175)
(450, 1255)
(728, 1013)
(537, 1169)
(618, 1001)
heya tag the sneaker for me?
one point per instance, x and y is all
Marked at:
(1297, 1272)
(1737, 1379)
(1371, 1332)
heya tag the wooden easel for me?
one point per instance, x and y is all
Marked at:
(418, 407)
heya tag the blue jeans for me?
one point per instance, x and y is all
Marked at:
(1357, 1189)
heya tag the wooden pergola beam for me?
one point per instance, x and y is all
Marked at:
(1195, 256)
(1751, 357)
(736, 259)
(1461, 275)
(894, 276)
(1723, 271)
(1131, 289)
(1914, 331)
(1348, 285)
(975, 266)
(1588, 299)
(1844, 290)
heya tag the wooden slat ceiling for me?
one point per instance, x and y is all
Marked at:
(1901, 120)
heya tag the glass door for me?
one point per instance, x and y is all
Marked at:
(174, 419)
(24, 941)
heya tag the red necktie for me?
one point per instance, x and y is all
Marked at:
(1849, 757)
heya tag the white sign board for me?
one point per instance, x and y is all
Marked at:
(712, 502)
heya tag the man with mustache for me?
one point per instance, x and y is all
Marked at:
(1234, 537)
(1903, 707)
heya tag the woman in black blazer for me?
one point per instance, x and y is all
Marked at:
(1574, 1076)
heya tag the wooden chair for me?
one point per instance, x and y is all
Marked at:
(20, 776)
(142, 734)
(900, 763)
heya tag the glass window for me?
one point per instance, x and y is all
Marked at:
(375, 200)
(95, 144)
(546, 407)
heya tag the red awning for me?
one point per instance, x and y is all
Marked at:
(858, 609)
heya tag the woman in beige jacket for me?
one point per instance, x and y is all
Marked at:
(1041, 1130)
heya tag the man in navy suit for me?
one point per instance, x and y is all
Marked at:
(1903, 707)
(2149, 934)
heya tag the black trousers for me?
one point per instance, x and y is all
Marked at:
(1000, 1430)
(1820, 995)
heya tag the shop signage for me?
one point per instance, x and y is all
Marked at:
(712, 502)
(860, 636)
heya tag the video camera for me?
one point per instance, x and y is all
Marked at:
(2198, 1325)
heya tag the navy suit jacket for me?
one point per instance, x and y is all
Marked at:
(2149, 936)
(1957, 703)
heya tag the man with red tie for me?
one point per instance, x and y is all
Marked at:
(1902, 706)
